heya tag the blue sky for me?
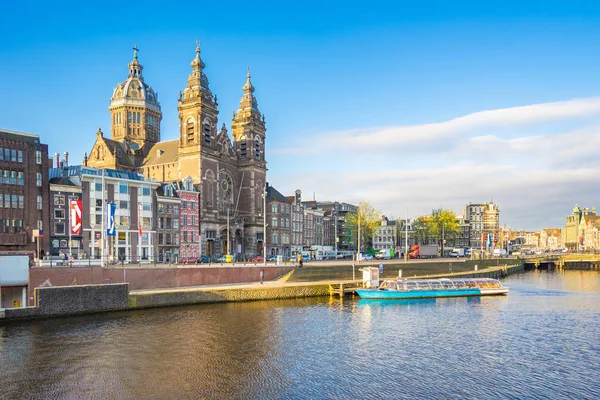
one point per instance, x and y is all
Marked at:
(419, 104)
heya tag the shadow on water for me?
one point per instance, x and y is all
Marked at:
(384, 303)
(418, 302)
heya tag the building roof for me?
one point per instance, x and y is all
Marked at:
(274, 195)
(162, 153)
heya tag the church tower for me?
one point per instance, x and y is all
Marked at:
(198, 115)
(248, 129)
(135, 111)
(249, 134)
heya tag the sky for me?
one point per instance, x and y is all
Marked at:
(408, 105)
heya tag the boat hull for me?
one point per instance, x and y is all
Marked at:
(424, 294)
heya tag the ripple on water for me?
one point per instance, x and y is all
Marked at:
(540, 341)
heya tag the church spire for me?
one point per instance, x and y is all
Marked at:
(197, 77)
(248, 101)
(135, 68)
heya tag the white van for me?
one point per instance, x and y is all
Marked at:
(499, 253)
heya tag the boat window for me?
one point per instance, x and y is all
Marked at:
(411, 285)
(436, 285)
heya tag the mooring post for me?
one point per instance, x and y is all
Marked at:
(341, 289)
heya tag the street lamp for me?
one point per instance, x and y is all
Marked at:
(265, 225)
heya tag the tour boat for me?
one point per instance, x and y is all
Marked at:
(428, 288)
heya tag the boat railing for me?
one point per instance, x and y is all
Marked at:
(440, 284)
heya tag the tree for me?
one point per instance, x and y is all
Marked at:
(422, 228)
(444, 223)
(368, 217)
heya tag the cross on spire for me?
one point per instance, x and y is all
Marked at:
(248, 68)
(197, 45)
(135, 50)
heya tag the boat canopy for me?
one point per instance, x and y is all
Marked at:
(440, 284)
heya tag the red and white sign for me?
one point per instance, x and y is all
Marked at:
(76, 206)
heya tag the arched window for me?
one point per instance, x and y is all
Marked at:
(257, 148)
(190, 131)
(243, 150)
(206, 132)
(209, 188)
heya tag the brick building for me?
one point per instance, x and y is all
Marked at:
(24, 191)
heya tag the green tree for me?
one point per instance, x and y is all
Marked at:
(422, 228)
(369, 219)
(444, 223)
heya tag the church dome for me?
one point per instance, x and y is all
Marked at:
(134, 89)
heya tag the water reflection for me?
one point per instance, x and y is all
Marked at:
(533, 343)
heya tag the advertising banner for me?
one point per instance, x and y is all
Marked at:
(76, 206)
(111, 229)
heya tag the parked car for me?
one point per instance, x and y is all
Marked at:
(203, 260)
(221, 259)
(256, 259)
(188, 260)
(272, 259)
(366, 257)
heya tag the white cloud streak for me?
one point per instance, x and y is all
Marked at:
(535, 178)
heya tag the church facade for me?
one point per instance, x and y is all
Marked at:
(229, 173)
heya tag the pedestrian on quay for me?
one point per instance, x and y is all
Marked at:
(262, 276)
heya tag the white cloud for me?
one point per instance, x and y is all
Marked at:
(534, 177)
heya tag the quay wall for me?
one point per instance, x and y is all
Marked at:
(200, 296)
(150, 277)
(72, 300)
(92, 298)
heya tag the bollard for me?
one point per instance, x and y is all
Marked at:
(476, 267)
(399, 273)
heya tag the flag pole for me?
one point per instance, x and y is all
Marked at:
(103, 232)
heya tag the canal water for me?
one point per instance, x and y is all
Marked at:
(542, 341)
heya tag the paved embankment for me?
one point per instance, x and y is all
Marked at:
(72, 300)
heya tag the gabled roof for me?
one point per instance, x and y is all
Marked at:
(162, 153)
(161, 191)
(274, 195)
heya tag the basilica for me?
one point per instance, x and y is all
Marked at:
(229, 173)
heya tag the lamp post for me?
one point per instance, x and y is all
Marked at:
(265, 225)
(406, 237)
(228, 251)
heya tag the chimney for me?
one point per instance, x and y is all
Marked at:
(66, 154)
(56, 156)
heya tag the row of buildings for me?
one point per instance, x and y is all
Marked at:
(580, 233)
(166, 221)
(204, 193)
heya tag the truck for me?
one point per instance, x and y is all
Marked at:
(423, 251)
(458, 252)
(384, 254)
(499, 253)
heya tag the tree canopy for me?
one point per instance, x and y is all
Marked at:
(369, 218)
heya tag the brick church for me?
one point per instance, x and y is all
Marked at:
(228, 172)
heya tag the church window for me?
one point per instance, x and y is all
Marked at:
(226, 186)
(207, 133)
(243, 150)
(129, 116)
(257, 148)
(190, 132)
(138, 118)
